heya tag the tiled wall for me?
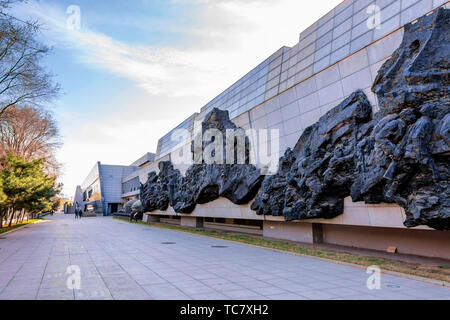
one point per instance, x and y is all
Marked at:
(111, 179)
(148, 157)
(343, 31)
(335, 56)
(142, 173)
(254, 88)
(251, 90)
(302, 105)
(317, 86)
(91, 178)
(166, 144)
(131, 185)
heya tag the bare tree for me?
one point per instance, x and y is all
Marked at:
(5, 4)
(31, 133)
(23, 80)
(28, 135)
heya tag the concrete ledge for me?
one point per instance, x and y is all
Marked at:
(192, 222)
(176, 222)
(355, 214)
(234, 227)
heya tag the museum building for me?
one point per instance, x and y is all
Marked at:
(108, 187)
(290, 91)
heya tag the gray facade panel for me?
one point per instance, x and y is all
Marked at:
(111, 179)
(342, 32)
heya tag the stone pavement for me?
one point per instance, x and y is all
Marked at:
(119, 260)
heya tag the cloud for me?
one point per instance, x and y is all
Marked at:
(228, 38)
(116, 138)
(221, 40)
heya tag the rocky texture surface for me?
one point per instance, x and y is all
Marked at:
(401, 154)
(206, 180)
(315, 177)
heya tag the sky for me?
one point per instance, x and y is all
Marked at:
(131, 71)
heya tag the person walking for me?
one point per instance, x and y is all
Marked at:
(76, 210)
(134, 216)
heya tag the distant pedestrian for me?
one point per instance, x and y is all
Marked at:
(134, 216)
(77, 210)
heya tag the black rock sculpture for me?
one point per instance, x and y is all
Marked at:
(400, 155)
(206, 181)
(407, 156)
(315, 177)
(155, 192)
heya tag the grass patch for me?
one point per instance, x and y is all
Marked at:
(435, 272)
(15, 226)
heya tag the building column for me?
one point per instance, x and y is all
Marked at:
(317, 229)
(193, 222)
(148, 218)
(293, 231)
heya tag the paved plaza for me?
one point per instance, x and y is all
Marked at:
(119, 260)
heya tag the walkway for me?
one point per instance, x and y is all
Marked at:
(119, 260)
